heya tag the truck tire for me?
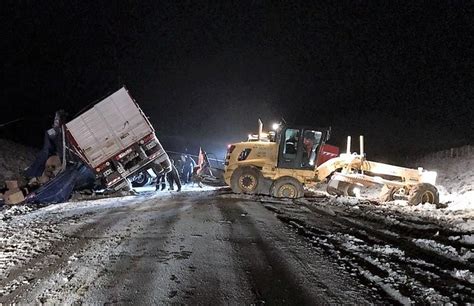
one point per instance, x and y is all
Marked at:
(423, 193)
(245, 180)
(386, 194)
(142, 179)
(287, 187)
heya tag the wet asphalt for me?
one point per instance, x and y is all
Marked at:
(187, 248)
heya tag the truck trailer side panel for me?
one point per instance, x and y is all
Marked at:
(109, 127)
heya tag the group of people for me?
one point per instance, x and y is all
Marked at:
(181, 173)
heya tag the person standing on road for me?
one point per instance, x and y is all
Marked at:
(179, 165)
(188, 166)
(173, 177)
(160, 182)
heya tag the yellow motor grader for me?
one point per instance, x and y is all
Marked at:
(280, 163)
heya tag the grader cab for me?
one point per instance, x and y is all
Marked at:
(282, 162)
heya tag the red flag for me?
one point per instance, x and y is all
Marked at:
(201, 160)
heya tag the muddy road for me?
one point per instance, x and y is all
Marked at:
(214, 247)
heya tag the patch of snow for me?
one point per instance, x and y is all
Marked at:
(463, 275)
(444, 250)
(392, 292)
(388, 250)
(352, 201)
(468, 239)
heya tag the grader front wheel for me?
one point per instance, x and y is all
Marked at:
(245, 180)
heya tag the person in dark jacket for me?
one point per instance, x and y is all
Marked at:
(173, 177)
(188, 166)
(160, 182)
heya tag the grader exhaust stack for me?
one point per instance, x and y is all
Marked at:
(260, 129)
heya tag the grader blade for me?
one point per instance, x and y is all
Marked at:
(342, 188)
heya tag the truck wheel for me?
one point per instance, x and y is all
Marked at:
(287, 187)
(143, 179)
(245, 180)
(386, 194)
(423, 193)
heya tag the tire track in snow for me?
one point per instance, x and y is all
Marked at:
(362, 242)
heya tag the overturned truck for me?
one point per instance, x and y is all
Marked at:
(107, 145)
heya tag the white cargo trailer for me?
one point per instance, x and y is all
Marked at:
(115, 138)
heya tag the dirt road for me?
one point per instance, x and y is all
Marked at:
(187, 248)
(214, 247)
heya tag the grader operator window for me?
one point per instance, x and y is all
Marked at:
(311, 141)
(299, 148)
(291, 143)
(289, 146)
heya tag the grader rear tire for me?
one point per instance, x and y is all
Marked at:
(287, 187)
(245, 180)
(423, 193)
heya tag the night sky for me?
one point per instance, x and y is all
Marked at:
(402, 74)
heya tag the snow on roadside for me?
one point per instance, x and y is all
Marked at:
(9, 211)
(460, 220)
(464, 255)
(455, 180)
(465, 275)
